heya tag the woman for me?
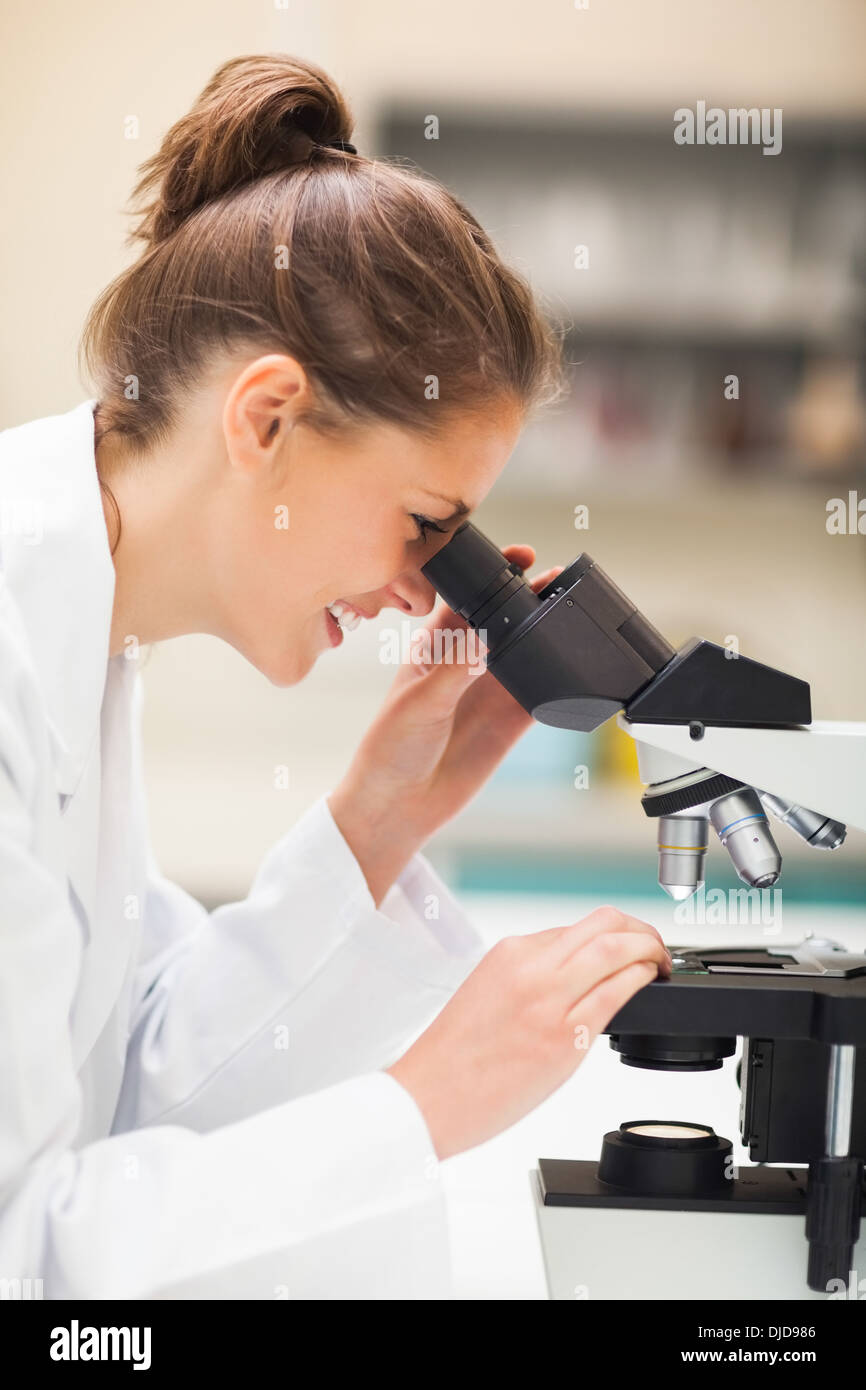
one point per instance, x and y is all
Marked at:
(316, 367)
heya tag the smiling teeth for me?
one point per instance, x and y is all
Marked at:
(346, 617)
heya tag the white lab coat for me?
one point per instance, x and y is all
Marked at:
(191, 1104)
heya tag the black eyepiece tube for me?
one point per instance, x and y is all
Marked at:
(469, 565)
(479, 583)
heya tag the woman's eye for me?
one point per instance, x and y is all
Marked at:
(425, 524)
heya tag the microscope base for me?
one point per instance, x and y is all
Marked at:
(749, 1246)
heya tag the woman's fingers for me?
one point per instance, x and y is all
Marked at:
(563, 941)
(522, 555)
(576, 935)
(540, 580)
(591, 1015)
(605, 955)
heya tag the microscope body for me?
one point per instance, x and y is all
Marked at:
(682, 1229)
(722, 740)
(799, 1014)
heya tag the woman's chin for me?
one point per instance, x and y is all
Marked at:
(296, 656)
(287, 669)
(294, 662)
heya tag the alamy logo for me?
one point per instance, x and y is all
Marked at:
(76, 1343)
(443, 646)
(739, 125)
(739, 907)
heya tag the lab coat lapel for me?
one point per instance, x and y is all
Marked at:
(61, 575)
(60, 572)
(116, 893)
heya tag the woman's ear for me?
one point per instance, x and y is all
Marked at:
(262, 405)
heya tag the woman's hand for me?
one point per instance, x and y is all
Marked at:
(522, 1023)
(441, 732)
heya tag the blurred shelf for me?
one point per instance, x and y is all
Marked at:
(687, 245)
(712, 325)
(542, 470)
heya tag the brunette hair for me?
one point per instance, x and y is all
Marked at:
(259, 235)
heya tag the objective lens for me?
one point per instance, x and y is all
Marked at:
(741, 825)
(817, 830)
(682, 844)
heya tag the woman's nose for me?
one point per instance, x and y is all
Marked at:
(412, 593)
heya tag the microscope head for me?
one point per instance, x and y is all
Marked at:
(579, 651)
(572, 654)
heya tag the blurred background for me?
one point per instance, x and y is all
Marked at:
(555, 125)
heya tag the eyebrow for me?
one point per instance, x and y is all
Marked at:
(460, 507)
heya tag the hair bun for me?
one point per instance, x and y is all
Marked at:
(255, 116)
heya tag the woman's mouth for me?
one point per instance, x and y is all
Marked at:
(341, 617)
(335, 632)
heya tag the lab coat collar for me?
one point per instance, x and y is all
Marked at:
(56, 560)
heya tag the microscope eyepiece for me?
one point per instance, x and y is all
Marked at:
(466, 568)
(479, 583)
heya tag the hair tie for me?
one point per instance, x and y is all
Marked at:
(343, 145)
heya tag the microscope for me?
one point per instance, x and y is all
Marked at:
(722, 744)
